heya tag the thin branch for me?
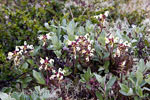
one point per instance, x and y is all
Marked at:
(84, 11)
(71, 13)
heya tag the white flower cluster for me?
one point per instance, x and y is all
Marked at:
(46, 63)
(102, 16)
(122, 46)
(44, 38)
(19, 52)
(110, 39)
(123, 63)
(82, 46)
(57, 75)
(120, 50)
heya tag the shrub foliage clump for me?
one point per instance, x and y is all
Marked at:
(86, 56)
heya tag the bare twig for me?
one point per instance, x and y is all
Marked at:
(71, 13)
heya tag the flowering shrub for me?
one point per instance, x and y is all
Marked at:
(45, 63)
(20, 52)
(72, 60)
(82, 46)
(98, 59)
(21, 21)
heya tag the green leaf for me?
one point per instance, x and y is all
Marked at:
(101, 69)
(148, 80)
(71, 28)
(139, 77)
(6, 89)
(24, 3)
(16, 95)
(106, 54)
(37, 48)
(56, 43)
(58, 53)
(98, 49)
(124, 87)
(125, 90)
(141, 66)
(25, 65)
(147, 43)
(81, 30)
(67, 71)
(106, 65)
(38, 77)
(136, 98)
(89, 26)
(99, 95)
(60, 98)
(86, 76)
(42, 94)
(110, 83)
(129, 93)
(5, 96)
(139, 91)
(71, 37)
(82, 79)
(98, 78)
(24, 96)
(27, 79)
(30, 61)
(131, 79)
(88, 86)
(148, 65)
(64, 22)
